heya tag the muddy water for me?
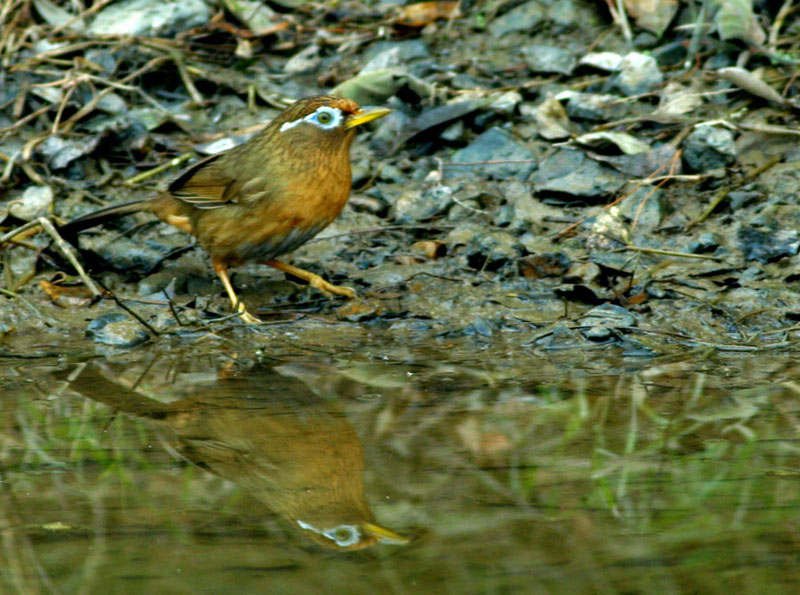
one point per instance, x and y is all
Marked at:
(435, 472)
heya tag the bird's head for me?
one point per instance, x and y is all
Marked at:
(323, 119)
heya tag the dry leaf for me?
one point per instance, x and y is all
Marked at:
(424, 13)
(76, 296)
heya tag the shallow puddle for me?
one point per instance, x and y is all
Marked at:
(165, 474)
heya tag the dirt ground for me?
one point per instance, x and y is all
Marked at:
(552, 177)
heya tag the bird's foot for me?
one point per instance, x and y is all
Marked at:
(329, 289)
(246, 317)
(314, 280)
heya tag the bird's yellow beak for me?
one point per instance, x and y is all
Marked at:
(366, 114)
(383, 534)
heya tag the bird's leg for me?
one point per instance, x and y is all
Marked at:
(313, 280)
(222, 272)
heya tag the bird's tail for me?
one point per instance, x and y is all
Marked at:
(70, 228)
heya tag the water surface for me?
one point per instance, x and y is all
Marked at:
(434, 471)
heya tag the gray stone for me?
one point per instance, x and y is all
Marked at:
(150, 18)
(609, 315)
(494, 144)
(709, 147)
(522, 18)
(595, 107)
(546, 58)
(570, 173)
(117, 330)
(767, 245)
(639, 74)
(414, 206)
(705, 243)
(61, 152)
(644, 206)
(36, 201)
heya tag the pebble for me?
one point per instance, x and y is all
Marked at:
(639, 74)
(522, 18)
(547, 58)
(150, 18)
(709, 147)
(117, 330)
(36, 201)
(494, 144)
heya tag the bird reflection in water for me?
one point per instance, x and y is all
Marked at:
(271, 435)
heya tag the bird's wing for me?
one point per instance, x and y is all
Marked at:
(205, 185)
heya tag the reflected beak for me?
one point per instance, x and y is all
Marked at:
(367, 114)
(383, 534)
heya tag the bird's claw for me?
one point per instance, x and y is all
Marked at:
(329, 289)
(246, 317)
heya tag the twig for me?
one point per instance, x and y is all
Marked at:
(11, 235)
(724, 192)
(47, 319)
(174, 162)
(68, 252)
(129, 310)
(665, 253)
(777, 24)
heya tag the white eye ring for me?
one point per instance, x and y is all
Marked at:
(323, 117)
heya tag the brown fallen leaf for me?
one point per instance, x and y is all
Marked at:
(430, 249)
(424, 13)
(67, 296)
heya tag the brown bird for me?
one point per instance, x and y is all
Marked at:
(265, 197)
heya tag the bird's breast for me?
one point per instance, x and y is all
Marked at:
(274, 225)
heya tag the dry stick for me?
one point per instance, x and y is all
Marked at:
(92, 104)
(672, 167)
(88, 12)
(130, 311)
(197, 99)
(32, 227)
(573, 225)
(723, 194)
(68, 252)
(664, 252)
(777, 24)
(174, 162)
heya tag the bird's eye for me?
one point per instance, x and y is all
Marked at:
(324, 117)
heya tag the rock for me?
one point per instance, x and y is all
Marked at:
(704, 244)
(306, 60)
(538, 266)
(561, 337)
(609, 315)
(484, 250)
(639, 74)
(709, 147)
(505, 103)
(402, 51)
(454, 133)
(126, 255)
(150, 18)
(645, 206)
(494, 144)
(61, 152)
(607, 61)
(768, 246)
(522, 18)
(117, 330)
(414, 206)
(594, 107)
(546, 58)
(36, 201)
(570, 174)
